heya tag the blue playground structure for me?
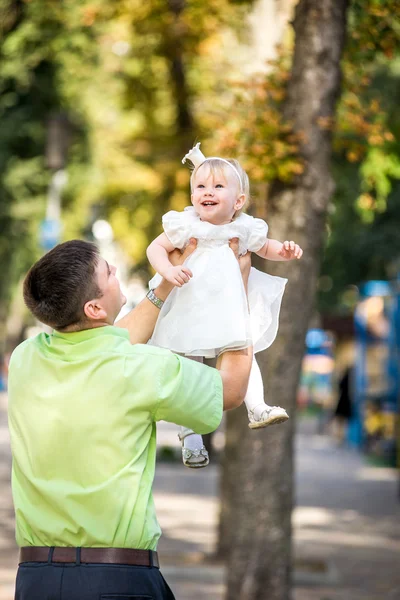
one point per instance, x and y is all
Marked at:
(376, 385)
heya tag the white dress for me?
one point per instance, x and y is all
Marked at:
(209, 314)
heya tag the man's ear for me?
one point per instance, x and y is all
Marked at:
(240, 202)
(94, 311)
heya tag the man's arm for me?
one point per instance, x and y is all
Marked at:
(233, 366)
(194, 395)
(140, 321)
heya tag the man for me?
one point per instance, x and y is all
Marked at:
(83, 407)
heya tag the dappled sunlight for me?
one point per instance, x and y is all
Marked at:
(310, 516)
(376, 474)
(345, 528)
(188, 517)
(345, 539)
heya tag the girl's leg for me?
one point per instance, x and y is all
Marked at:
(194, 453)
(260, 414)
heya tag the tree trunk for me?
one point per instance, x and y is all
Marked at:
(257, 500)
(175, 54)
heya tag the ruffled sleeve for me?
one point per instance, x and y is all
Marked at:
(176, 228)
(257, 235)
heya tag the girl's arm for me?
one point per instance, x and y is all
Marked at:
(157, 253)
(275, 250)
(140, 321)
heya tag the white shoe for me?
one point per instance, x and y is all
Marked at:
(193, 458)
(271, 415)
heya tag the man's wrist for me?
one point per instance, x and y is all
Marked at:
(163, 289)
(154, 299)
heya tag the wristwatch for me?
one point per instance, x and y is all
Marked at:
(153, 298)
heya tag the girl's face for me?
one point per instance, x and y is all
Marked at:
(216, 196)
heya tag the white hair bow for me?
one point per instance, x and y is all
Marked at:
(195, 156)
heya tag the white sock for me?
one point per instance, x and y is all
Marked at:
(255, 390)
(254, 399)
(193, 441)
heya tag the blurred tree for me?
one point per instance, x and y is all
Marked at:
(36, 48)
(27, 94)
(259, 563)
(153, 62)
(130, 78)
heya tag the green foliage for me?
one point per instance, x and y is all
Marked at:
(357, 251)
(25, 93)
(362, 242)
(149, 57)
(378, 171)
(30, 93)
(364, 132)
(373, 30)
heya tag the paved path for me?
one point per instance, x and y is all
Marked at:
(346, 524)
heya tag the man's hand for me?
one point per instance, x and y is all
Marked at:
(244, 260)
(290, 250)
(176, 257)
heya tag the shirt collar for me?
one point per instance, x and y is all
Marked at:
(88, 334)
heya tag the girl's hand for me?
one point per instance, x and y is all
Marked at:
(178, 275)
(290, 250)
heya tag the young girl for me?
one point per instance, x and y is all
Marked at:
(208, 312)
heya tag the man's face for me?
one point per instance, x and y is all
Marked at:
(112, 299)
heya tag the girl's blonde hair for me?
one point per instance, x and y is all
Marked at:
(216, 165)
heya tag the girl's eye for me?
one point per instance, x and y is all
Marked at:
(200, 185)
(219, 185)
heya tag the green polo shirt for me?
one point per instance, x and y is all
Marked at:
(82, 416)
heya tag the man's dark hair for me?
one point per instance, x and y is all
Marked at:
(58, 285)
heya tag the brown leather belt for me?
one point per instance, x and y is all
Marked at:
(122, 556)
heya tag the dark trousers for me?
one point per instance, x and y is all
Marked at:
(49, 581)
